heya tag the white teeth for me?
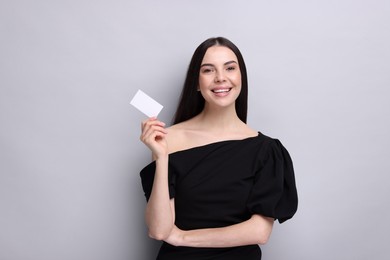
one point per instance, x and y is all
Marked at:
(221, 90)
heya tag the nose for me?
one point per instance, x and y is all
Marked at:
(220, 76)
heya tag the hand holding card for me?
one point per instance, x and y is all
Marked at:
(146, 104)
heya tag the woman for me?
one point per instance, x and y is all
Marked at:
(216, 185)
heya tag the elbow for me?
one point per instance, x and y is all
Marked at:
(159, 230)
(263, 229)
(263, 239)
(263, 235)
(159, 234)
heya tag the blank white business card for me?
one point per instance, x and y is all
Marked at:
(146, 104)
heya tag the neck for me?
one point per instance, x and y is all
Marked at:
(219, 119)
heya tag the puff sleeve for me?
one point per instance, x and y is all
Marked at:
(274, 193)
(147, 178)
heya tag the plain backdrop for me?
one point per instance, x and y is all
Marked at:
(70, 155)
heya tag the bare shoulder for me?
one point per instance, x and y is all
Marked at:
(177, 138)
(188, 134)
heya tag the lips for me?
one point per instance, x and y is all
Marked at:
(221, 90)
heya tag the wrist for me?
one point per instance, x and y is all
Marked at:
(162, 159)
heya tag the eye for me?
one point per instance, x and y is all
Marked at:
(207, 70)
(231, 68)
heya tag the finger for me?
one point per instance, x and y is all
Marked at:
(149, 134)
(152, 139)
(145, 122)
(154, 127)
(151, 122)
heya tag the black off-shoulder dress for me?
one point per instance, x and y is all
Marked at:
(222, 184)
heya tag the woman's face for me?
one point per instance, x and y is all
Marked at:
(220, 76)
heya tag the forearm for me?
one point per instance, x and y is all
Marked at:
(159, 214)
(256, 230)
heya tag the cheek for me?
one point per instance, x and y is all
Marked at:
(238, 82)
(203, 81)
(237, 79)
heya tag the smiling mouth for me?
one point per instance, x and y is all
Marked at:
(221, 90)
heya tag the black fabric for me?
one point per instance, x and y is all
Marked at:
(224, 183)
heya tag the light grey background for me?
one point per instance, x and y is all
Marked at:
(70, 153)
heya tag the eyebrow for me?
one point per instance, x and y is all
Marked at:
(212, 65)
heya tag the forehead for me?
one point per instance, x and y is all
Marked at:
(219, 54)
